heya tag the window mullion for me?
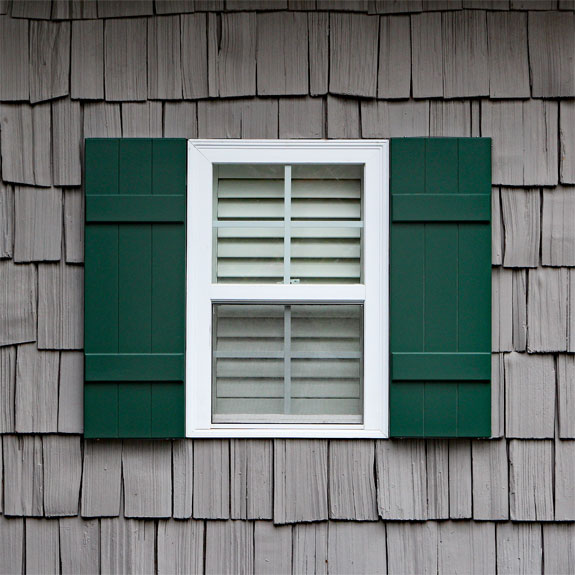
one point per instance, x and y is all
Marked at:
(287, 224)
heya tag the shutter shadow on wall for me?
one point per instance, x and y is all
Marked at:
(135, 287)
(440, 287)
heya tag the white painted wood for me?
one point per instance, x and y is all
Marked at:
(437, 463)
(449, 119)
(519, 548)
(180, 547)
(352, 493)
(531, 480)
(342, 118)
(87, 67)
(194, 45)
(520, 310)
(466, 547)
(164, 60)
(7, 216)
(564, 486)
(508, 59)
(18, 302)
(251, 474)
(502, 310)
(211, 490)
(125, 73)
(521, 210)
(530, 395)
(310, 548)
(66, 143)
(79, 546)
(394, 119)
(282, 54)
(147, 474)
(23, 476)
(394, 72)
(36, 390)
(11, 545)
(260, 118)
(42, 547)
(460, 479)
(497, 231)
(427, 55)
(567, 141)
(301, 118)
(401, 479)
(558, 233)
(183, 470)
(219, 119)
(272, 549)
(74, 226)
(102, 120)
(49, 60)
(62, 475)
(490, 480)
(497, 395)
(101, 478)
(559, 548)
(229, 548)
(547, 309)
(356, 548)
(412, 547)
(300, 480)
(353, 54)
(318, 26)
(7, 388)
(14, 54)
(566, 395)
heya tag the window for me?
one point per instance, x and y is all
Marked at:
(287, 289)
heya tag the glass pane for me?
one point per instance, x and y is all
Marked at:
(281, 363)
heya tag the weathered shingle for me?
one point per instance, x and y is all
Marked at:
(559, 546)
(79, 546)
(66, 143)
(497, 395)
(547, 309)
(571, 318)
(7, 388)
(519, 548)
(194, 56)
(6, 221)
(74, 9)
(14, 54)
(71, 393)
(260, 118)
(437, 467)
(11, 545)
(211, 491)
(566, 395)
(74, 226)
(17, 303)
(318, 24)
(552, 53)
(301, 118)
(465, 58)
(164, 64)
(219, 119)
(310, 548)
(183, 470)
(62, 475)
(567, 137)
(531, 480)
(25, 144)
(401, 479)
(49, 60)
(540, 119)
(87, 70)
(460, 479)
(533, 4)
(102, 120)
(300, 480)
(36, 390)
(256, 4)
(251, 475)
(126, 545)
(23, 475)
(60, 306)
(394, 119)
(352, 493)
(42, 546)
(229, 548)
(502, 310)
(490, 480)
(520, 310)
(173, 6)
(282, 54)
(180, 120)
(508, 60)
(31, 9)
(142, 120)
(564, 485)
(124, 8)
(272, 548)
(530, 395)
(38, 224)
(395, 6)
(558, 232)
(125, 59)
(353, 54)
(394, 75)
(101, 478)
(343, 5)
(521, 210)
(356, 548)
(232, 55)
(412, 547)
(427, 55)
(441, 5)
(466, 547)
(449, 119)
(342, 118)
(180, 547)
(147, 473)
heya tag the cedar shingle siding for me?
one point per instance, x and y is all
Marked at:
(503, 69)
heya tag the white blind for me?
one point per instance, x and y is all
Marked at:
(287, 362)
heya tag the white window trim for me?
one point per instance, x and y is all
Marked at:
(373, 293)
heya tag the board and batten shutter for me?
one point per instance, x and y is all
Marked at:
(440, 287)
(135, 246)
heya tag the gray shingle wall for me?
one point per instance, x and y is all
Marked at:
(288, 69)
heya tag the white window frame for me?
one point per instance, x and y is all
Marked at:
(372, 293)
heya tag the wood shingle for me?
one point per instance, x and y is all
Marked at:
(79, 546)
(180, 120)
(394, 119)
(490, 480)
(566, 395)
(558, 232)
(301, 118)
(194, 56)
(164, 62)
(502, 310)
(567, 141)
(183, 478)
(519, 548)
(427, 55)
(42, 550)
(66, 143)
(87, 68)
(564, 486)
(211, 490)
(342, 118)
(318, 26)
(14, 59)
(437, 467)
(466, 547)
(180, 547)
(6, 221)
(229, 548)
(412, 547)
(394, 75)
(11, 545)
(71, 392)
(7, 388)
(272, 548)
(460, 479)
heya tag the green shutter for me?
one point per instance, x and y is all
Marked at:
(440, 287)
(134, 292)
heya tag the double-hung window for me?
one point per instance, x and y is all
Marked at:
(287, 275)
